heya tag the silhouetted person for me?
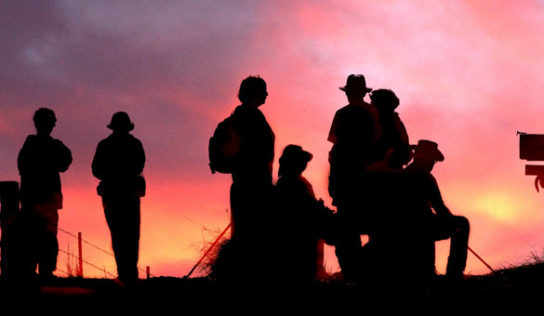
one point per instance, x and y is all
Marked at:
(393, 140)
(251, 190)
(441, 222)
(354, 132)
(303, 219)
(119, 162)
(40, 161)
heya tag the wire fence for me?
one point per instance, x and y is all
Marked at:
(86, 242)
(96, 247)
(87, 263)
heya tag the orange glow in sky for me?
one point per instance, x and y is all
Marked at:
(468, 75)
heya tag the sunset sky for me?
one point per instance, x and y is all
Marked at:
(468, 74)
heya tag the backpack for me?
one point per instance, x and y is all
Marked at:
(223, 147)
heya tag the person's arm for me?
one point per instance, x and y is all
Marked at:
(140, 157)
(23, 159)
(437, 202)
(97, 165)
(64, 156)
(333, 137)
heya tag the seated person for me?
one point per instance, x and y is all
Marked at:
(442, 224)
(302, 220)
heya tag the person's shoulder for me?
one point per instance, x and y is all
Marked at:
(106, 142)
(31, 138)
(344, 109)
(135, 140)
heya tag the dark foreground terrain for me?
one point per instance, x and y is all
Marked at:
(509, 290)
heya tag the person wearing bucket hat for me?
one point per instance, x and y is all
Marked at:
(353, 133)
(118, 163)
(40, 162)
(303, 220)
(121, 122)
(442, 223)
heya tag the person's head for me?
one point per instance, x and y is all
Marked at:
(44, 121)
(426, 154)
(384, 100)
(355, 87)
(253, 91)
(293, 161)
(120, 123)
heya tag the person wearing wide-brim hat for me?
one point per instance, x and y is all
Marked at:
(356, 84)
(353, 133)
(118, 163)
(442, 223)
(426, 151)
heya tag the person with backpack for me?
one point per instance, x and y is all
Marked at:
(247, 145)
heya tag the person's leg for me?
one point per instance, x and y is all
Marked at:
(50, 246)
(458, 246)
(457, 228)
(123, 218)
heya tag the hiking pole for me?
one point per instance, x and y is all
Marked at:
(208, 251)
(482, 260)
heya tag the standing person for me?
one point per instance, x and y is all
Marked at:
(394, 140)
(40, 161)
(118, 163)
(442, 224)
(354, 132)
(251, 190)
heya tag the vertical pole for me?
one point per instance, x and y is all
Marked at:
(80, 252)
(148, 271)
(10, 240)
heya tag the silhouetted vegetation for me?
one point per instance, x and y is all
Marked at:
(514, 289)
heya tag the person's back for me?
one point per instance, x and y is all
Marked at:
(353, 133)
(256, 154)
(118, 160)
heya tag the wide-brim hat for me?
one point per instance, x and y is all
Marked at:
(121, 121)
(355, 83)
(428, 149)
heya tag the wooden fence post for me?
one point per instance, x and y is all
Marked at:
(80, 253)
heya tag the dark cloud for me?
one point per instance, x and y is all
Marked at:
(87, 60)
